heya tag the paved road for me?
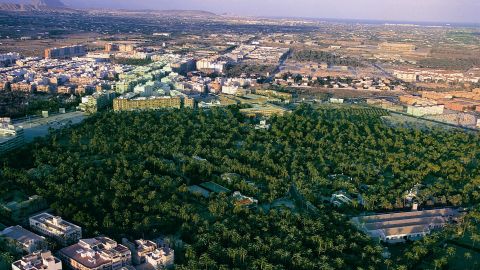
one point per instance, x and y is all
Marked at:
(39, 127)
(385, 72)
(279, 66)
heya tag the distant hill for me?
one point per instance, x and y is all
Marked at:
(185, 12)
(48, 3)
(33, 5)
(58, 5)
(167, 13)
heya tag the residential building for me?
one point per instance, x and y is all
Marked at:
(44, 89)
(55, 227)
(425, 110)
(183, 66)
(417, 101)
(406, 76)
(65, 52)
(189, 102)
(150, 255)
(22, 87)
(211, 65)
(97, 101)
(23, 239)
(243, 201)
(337, 100)
(97, 253)
(232, 90)
(38, 261)
(129, 48)
(160, 257)
(262, 125)
(125, 103)
(461, 104)
(111, 47)
(340, 198)
(399, 227)
(8, 59)
(11, 137)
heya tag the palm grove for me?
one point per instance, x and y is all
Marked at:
(126, 174)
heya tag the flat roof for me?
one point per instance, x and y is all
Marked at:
(405, 223)
(78, 253)
(47, 220)
(199, 190)
(19, 234)
(408, 215)
(405, 230)
(214, 187)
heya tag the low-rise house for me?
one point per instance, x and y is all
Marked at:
(160, 258)
(340, 198)
(96, 254)
(38, 261)
(55, 227)
(23, 239)
(150, 255)
(263, 125)
(11, 137)
(399, 227)
(242, 200)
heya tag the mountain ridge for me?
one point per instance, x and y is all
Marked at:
(33, 5)
(58, 6)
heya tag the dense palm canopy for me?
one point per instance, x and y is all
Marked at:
(126, 174)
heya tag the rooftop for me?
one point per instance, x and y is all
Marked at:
(54, 223)
(36, 261)
(94, 252)
(405, 223)
(18, 233)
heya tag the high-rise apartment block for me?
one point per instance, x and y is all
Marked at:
(151, 103)
(111, 47)
(66, 52)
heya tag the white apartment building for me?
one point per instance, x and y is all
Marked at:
(55, 227)
(23, 239)
(150, 255)
(425, 110)
(96, 254)
(38, 261)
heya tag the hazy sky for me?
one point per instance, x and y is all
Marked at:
(410, 10)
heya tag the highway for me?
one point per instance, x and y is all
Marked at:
(39, 127)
